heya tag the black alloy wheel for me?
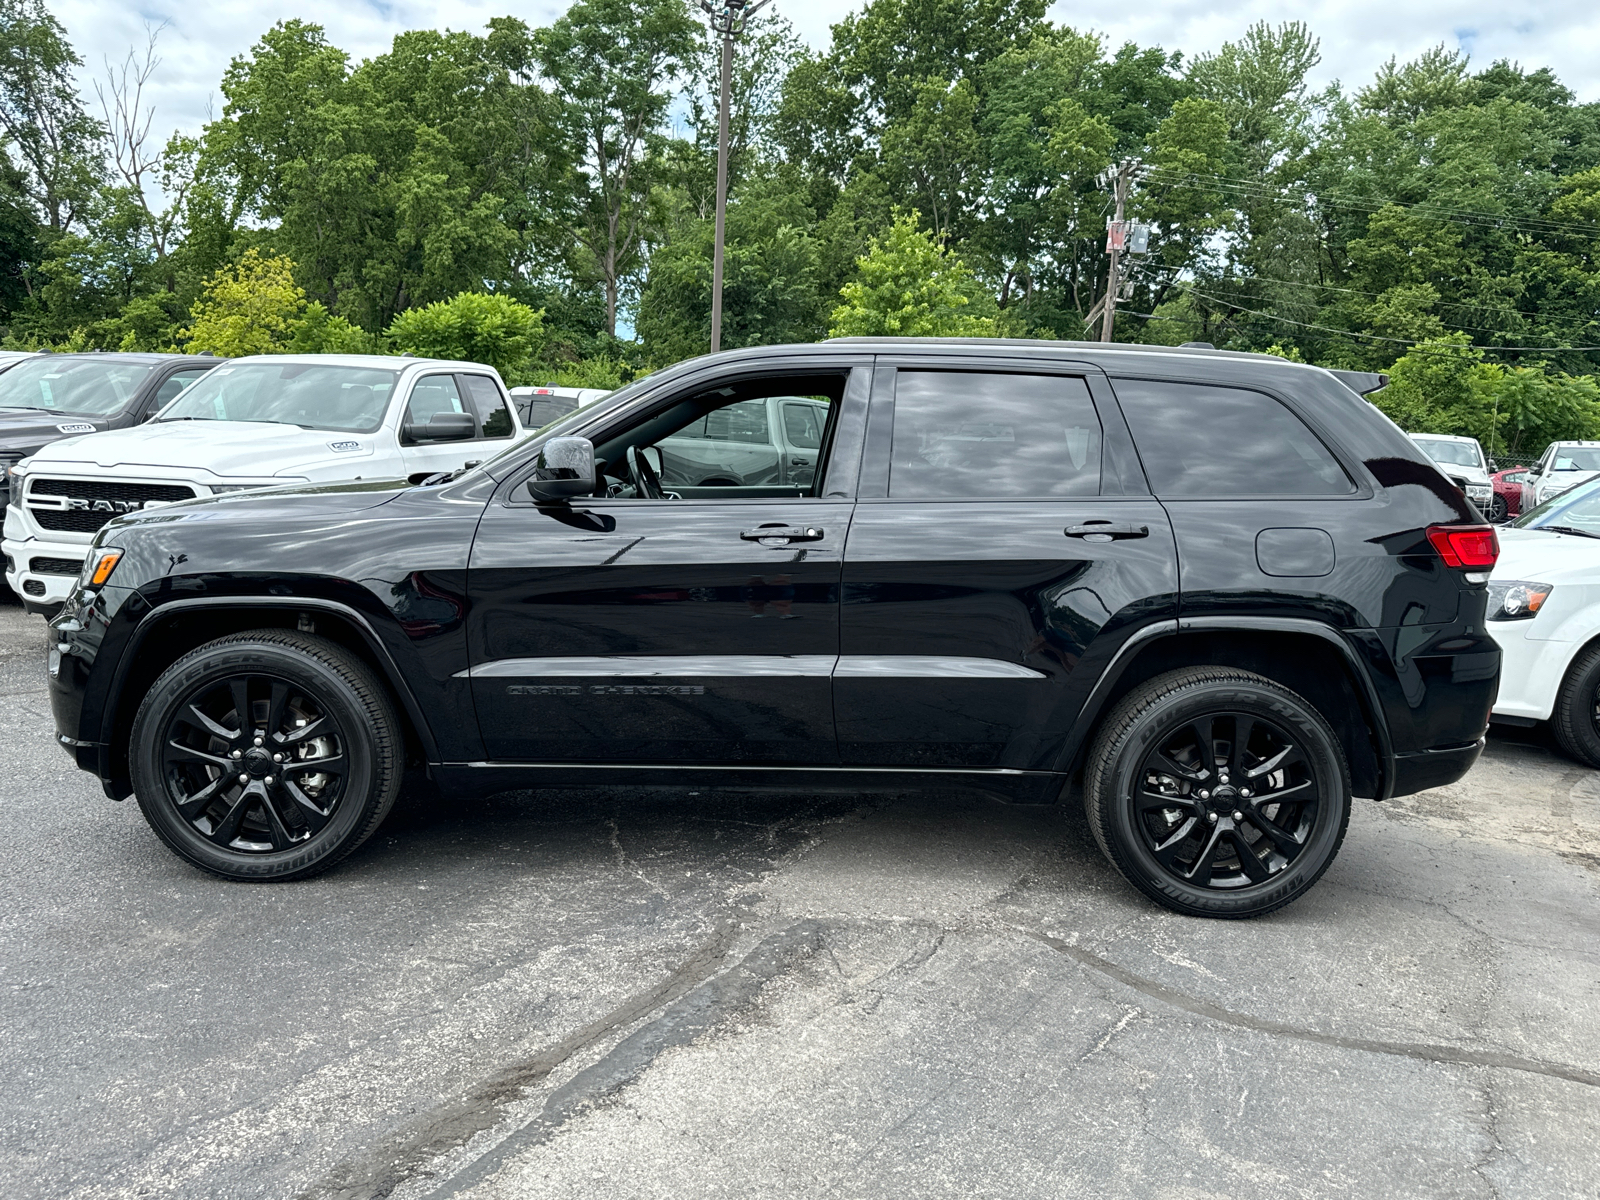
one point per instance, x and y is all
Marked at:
(266, 755)
(1218, 792)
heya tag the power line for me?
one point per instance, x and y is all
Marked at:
(1373, 337)
(1465, 216)
(1233, 301)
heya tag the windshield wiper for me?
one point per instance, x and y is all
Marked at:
(1568, 529)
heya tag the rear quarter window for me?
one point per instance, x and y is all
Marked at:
(1201, 441)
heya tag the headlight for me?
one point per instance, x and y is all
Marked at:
(1510, 600)
(16, 477)
(218, 489)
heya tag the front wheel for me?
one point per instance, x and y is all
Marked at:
(1499, 509)
(1576, 718)
(266, 755)
(1217, 792)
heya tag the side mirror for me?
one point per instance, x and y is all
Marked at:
(564, 468)
(442, 427)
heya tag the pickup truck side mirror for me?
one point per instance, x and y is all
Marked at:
(442, 427)
(564, 468)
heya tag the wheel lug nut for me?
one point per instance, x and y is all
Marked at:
(238, 753)
(1204, 795)
(243, 778)
(279, 758)
(1245, 792)
(259, 741)
(1237, 815)
(267, 781)
(1212, 817)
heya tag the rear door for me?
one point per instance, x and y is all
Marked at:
(1004, 544)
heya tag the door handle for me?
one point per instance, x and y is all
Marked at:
(1106, 531)
(809, 534)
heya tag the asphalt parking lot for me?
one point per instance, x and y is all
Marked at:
(637, 994)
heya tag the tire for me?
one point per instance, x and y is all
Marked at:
(1576, 717)
(1499, 510)
(1155, 822)
(322, 712)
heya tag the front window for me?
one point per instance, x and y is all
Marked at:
(1569, 458)
(1456, 454)
(1576, 510)
(310, 395)
(73, 386)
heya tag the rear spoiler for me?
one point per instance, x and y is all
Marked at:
(1362, 383)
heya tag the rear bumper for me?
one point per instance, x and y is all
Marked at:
(1433, 768)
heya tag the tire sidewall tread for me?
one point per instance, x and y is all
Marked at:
(1572, 720)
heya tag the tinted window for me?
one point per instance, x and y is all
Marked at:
(802, 425)
(961, 434)
(494, 418)
(1202, 441)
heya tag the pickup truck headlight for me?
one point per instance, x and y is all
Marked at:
(16, 477)
(1512, 600)
(220, 489)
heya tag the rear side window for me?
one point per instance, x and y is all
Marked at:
(494, 418)
(982, 435)
(802, 425)
(1202, 442)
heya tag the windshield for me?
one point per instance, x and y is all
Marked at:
(1577, 509)
(1459, 454)
(313, 396)
(77, 386)
(1573, 458)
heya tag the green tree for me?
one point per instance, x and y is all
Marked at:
(611, 64)
(251, 307)
(496, 330)
(770, 279)
(909, 286)
(935, 156)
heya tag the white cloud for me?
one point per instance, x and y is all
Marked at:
(1357, 35)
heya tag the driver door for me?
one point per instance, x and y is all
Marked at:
(705, 629)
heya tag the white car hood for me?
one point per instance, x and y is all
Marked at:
(1535, 556)
(1562, 480)
(242, 449)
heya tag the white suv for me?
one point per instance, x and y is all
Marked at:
(1564, 465)
(1461, 458)
(251, 423)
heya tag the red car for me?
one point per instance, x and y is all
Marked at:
(1508, 493)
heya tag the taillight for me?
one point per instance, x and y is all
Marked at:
(1471, 546)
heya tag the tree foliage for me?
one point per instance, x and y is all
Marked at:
(474, 327)
(1439, 219)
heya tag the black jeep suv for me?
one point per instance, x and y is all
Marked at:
(1220, 588)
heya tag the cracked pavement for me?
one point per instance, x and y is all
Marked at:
(713, 994)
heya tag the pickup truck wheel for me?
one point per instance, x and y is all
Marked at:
(266, 755)
(1217, 792)
(1576, 718)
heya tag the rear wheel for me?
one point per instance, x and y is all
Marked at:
(266, 755)
(1576, 718)
(1217, 792)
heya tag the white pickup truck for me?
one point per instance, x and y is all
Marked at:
(254, 422)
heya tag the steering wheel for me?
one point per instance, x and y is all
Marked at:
(646, 483)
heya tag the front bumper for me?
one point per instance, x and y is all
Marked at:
(37, 570)
(1531, 670)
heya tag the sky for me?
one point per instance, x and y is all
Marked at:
(1357, 35)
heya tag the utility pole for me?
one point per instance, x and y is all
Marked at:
(1116, 240)
(729, 19)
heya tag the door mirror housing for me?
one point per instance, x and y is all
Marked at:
(564, 469)
(442, 427)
